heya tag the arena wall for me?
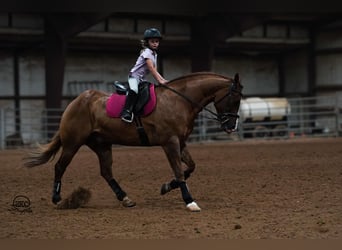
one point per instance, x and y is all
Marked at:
(260, 73)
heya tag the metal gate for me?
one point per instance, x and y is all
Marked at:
(310, 116)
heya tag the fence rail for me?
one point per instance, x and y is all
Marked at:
(311, 117)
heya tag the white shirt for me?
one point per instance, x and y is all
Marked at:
(140, 69)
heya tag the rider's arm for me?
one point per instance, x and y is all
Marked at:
(154, 72)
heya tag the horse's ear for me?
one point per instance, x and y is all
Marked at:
(237, 78)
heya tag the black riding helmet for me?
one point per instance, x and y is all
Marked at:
(152, 33)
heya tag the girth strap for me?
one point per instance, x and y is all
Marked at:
(141, 131)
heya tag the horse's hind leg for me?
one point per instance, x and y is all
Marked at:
(60, 167)
(104, 153)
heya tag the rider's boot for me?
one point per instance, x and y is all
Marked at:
(127, 112)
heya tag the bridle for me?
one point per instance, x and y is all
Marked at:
(222, 118)
(225, 116)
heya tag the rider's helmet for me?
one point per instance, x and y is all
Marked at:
(152, 33)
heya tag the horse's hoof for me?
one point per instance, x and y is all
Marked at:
(193, 207)
(165, 188)
(56, 199)
(127, 202)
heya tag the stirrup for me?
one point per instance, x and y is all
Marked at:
(126, 118)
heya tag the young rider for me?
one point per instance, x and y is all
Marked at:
(145, 64)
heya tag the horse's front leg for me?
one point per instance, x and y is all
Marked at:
(173, 152)
(187, 159)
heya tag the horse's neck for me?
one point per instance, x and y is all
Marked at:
(203, 90)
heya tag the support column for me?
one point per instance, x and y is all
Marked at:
(311, 68)
(16, 91)
(55, 53)
(202, 51)
(281, 76)
(55, 45)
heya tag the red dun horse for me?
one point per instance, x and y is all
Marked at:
(85, 122)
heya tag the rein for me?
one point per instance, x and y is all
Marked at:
(222, 118)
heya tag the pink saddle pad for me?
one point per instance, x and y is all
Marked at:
(115, 104)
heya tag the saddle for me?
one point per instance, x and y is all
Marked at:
(145, 104)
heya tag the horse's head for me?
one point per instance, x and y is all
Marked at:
(227, 105)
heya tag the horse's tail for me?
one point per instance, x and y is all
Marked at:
(44, 152)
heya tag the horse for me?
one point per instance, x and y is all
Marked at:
(85, 122)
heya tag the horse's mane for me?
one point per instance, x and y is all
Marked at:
(197, 74)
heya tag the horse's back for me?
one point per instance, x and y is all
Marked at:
(84, 100)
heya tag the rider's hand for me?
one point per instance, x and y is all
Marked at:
(163, 81)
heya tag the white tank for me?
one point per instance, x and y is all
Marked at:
(257, 109)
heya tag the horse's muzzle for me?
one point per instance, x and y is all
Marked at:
(228, 131)
(230, 125)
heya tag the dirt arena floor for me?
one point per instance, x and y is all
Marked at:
(281, 189)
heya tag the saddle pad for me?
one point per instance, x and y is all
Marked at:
(115, 104)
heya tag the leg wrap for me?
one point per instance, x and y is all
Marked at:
(167, 187)
(56, 197)
(174, 184)
(185, 192)
(57, 187)
(120, 194)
